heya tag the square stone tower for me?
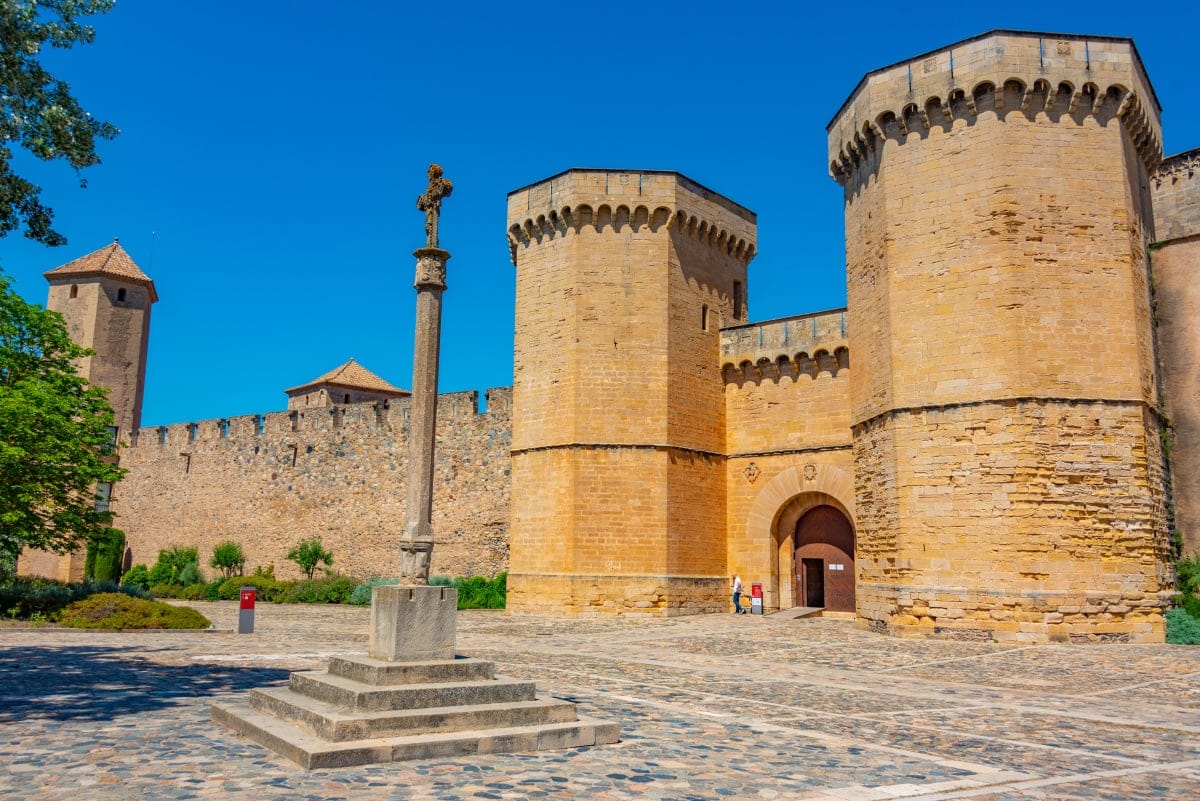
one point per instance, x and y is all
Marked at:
(1008, 469)
(623, 280)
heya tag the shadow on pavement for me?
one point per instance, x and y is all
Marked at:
(89, 683)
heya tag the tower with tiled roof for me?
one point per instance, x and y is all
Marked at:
(105, 299)
(347, 383)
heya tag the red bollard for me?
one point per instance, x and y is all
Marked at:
(246, 611)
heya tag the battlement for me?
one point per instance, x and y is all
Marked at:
(353, 419)
(613, 201)
(807, 344)
(1176, 193)
(999, 72)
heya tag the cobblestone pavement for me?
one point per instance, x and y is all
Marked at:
(715, 707)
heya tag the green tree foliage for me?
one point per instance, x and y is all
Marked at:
(37, 110)
(171, 564)
(55, 441)
(228, 558)
(308, 554)
(104, 555)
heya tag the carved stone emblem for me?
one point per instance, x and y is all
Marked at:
(752, 472)
(930, 65)
(1064, 48)
(431, 270)
(810, 472)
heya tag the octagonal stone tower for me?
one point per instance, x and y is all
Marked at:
(623, 280)
(1009, 477)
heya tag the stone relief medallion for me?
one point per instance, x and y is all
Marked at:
(810, 472)
(752, 472)
(1064, 48)
(431, 270)
(930, 65)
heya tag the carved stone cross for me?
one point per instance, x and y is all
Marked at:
(431, 203)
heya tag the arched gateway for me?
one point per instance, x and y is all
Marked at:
(807, 513)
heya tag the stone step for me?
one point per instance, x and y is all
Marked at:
(354, 695)
(310, 751)
(336, 724)
(380, 672)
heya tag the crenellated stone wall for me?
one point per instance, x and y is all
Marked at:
(1175, 259)
(338, 473)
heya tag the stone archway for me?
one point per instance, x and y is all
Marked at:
(777, 509)
(824, 560)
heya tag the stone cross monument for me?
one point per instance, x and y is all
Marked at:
(416, 549)
(414, 621)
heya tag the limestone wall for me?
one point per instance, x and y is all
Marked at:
(787, 412)
(1004, 407)
(269, 481)
(1176, 264)
(623, 279)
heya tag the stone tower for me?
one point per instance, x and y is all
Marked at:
(623, 280)
(105, 299)
(1008, 469)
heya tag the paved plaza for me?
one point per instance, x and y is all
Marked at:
(716, 707)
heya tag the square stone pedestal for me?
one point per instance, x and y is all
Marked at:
(413, 623)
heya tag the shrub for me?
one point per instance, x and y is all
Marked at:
(171, 563)
(1182, 628)
(1187, 585)
(212, 590)
(25, 598)
(104, 555)
(441, 581)
(113, 610)
(362, 593)
(308, 554)
(228, 558)
(269, 588)
(329, 590)
(189, 575)
(478, 592)
(137, 576)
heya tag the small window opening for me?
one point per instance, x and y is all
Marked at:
(103, 496)
(193, 434)
(295, 424)
(74, 291)
(112, 436)
(738, 300)
(120, 296)
(346, 398)
(260, 424)
(224, 428)
(704, 317)
(162, 435)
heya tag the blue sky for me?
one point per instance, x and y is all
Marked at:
(271, 154)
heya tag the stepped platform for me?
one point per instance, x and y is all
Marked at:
(364, 711)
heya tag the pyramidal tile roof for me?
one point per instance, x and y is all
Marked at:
(110, 260)
(352, 375)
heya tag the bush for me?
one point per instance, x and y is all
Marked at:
(441, 581)
(308, 554)
(212, 590)
(477, 592)
(113, 610)
(104, 555)
(1182, 628)
(189, 575)
(329, 590)
(269, 588)
(1187, 585)
(193, 592)
(137, 576)
(362, 593)
(171, 563)
(228, 558)
(24, 598)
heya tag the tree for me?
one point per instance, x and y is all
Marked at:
(308, 553)
(37, 110)
(55, 434)
(228, 558)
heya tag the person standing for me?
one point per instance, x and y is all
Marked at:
(737, 595)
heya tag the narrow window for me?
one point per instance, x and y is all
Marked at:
(120, 296)
(192, 435)
(704, 317)
(346, 398)
(295, 416)
(737, 300)
(224, 428)
(260, 424)
(162, 435)
(103, 496)
(112, 436)
(74, 291)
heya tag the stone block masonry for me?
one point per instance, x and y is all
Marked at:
(338, 473)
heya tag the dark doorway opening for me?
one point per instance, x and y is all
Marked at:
(825, 560)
